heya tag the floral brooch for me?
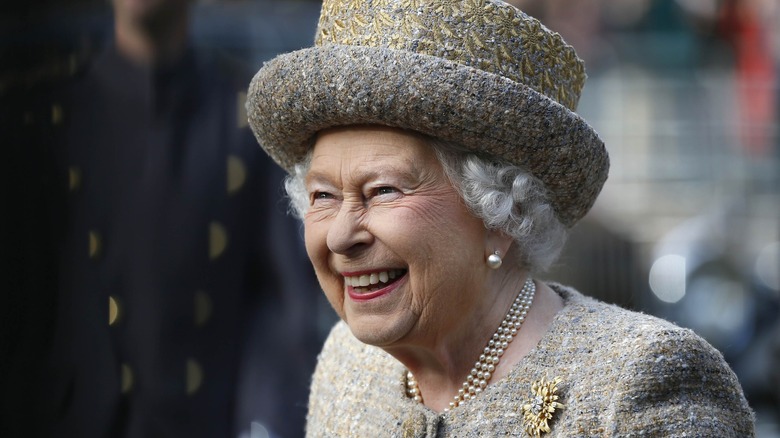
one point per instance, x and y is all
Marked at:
(540, 410)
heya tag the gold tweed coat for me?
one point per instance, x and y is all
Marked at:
(623, 374)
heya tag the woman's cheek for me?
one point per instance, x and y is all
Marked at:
(425, 212)
(315, 237)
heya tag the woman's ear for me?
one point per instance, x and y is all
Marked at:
(498, 243)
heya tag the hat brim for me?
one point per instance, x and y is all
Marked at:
(298, 94)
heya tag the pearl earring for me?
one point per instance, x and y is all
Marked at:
(494, 260)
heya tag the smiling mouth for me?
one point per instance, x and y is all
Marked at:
(366, 283)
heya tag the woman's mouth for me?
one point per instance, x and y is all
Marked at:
(364, 285)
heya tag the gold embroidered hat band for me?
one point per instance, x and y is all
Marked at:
(479, 73)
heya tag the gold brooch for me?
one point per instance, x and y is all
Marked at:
(540, 410)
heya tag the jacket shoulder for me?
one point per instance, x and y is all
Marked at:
(674, 383)
(637, 374)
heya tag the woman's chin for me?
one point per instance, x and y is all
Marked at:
(381, 330)
(379, 317)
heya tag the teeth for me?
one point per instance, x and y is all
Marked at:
(373, 278)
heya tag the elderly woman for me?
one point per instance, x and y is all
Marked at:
(437, 163)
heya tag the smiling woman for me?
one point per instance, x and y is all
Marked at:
(380, 202)
(437, 163)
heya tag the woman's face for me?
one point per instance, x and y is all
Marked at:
(395, 250)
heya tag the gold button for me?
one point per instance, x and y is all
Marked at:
(95, 244)
(241, 110)
(56, 114)
(113, 311)
(194, 376)
(202, 308)
(74, 178)
(236, 174)
(218, 240)
(127, 378)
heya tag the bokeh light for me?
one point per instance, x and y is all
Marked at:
(667, 278)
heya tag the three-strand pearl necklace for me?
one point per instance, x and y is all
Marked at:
(488, 361)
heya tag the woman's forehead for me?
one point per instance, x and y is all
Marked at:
(357, 135)
(369, 146)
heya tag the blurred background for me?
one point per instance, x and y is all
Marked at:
(684, 93)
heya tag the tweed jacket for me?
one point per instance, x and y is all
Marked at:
(623, 374)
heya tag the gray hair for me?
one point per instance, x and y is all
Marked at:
(507, 197)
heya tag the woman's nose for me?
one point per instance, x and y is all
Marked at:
(347, 232)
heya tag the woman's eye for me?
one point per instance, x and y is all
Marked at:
(385, 190)
(321, 195)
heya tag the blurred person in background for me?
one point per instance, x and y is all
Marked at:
(171, 273)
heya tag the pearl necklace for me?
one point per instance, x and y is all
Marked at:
(483, 369)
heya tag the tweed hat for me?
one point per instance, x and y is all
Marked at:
(479, 73)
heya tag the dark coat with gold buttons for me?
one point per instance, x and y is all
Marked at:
(170, 239)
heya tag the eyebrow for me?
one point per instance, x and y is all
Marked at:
(407, 168)
(375, 171)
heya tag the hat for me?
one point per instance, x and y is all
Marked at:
(479, 73)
